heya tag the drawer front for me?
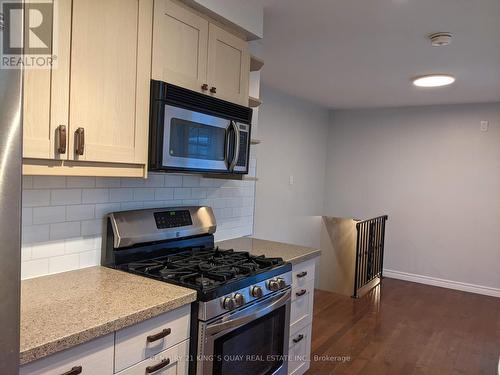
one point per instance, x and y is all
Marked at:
(300, 351)
(94, 357)
(302, 305)
(173, 361)
(303, 272)
(132, 345)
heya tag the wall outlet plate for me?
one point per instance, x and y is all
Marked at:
(484, 126)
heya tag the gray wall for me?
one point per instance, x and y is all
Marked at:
(294, 142)
(435, 174)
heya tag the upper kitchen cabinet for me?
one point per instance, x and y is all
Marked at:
(46, 96)
(228, 66)
(191, 51)
(107, 68)
(90, 114)
(180, 43)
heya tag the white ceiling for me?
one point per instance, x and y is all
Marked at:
(363, 53)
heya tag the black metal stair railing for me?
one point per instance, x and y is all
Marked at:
(369, 252)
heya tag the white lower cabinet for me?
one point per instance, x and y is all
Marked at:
(156, 346)
(301, 315)
(92, 358)
(173, 361)
(300, 351)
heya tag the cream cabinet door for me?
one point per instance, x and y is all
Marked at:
(110, 69)
(46, 96)
(228, 66)
(180, 42)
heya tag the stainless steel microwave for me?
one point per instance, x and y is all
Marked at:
(193, 132)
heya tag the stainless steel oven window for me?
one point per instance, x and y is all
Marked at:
(253, 340)
(194, 140)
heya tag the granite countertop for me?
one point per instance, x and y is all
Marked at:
(63, 310)
(290, 253)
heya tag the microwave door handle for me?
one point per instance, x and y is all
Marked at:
(228, 142)
(236, 146)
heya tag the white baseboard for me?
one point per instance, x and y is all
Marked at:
(450, 284)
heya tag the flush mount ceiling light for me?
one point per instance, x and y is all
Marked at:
(440, 39)
(434, 80)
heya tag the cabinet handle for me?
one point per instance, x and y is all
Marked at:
(80, 141)
(301, 293)
(74, 371)
(204, 87)
(213, 90)
(302, 274)
(61, 147)
(298, 338)
(159, 366)
(159, 335)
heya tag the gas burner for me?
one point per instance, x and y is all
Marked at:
(205, 269)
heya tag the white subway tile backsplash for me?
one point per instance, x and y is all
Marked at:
(95, 195)
(81, 244)
(173, 180)
(64, 218)
(164, 194)
(131, 206)
(92, 227)
(89, 258)
(144, 194)
(35, 268)
(35, 233)
(27, 216)
(182, 193)
(47, 249)
(65, 196)
(62, 231)
(80, 182)
(190, 181)
(48, 215)
(49, 182)
(155, 180)
(27, 182)
(103, 209)
(36, 198)
(121, 195)
(107, 182)
(80, 212)
(64, 263)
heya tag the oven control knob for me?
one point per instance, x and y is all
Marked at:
(273, 285)
(281, 282)
(256, 291)
(228, 303)
(239, 300)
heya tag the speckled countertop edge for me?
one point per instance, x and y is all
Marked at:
(42, 347)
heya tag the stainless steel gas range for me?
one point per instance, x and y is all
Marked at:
(240, 322)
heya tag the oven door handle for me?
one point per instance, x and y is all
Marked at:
(258, 310)
(228, 144)
(236, 146)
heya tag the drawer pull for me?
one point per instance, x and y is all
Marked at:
(159, 335)
(302, 274)
(80, 141)
(298, 338)
(74, 371)
(301, 293)
(61, 148)
(159, 366)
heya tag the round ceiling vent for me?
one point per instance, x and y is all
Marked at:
(440, 39)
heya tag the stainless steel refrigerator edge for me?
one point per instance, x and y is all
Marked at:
(10, 215)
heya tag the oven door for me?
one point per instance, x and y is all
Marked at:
(196, 141)
(252, 341)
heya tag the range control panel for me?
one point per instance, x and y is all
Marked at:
(172, 219)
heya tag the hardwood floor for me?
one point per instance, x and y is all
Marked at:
(405, 328)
